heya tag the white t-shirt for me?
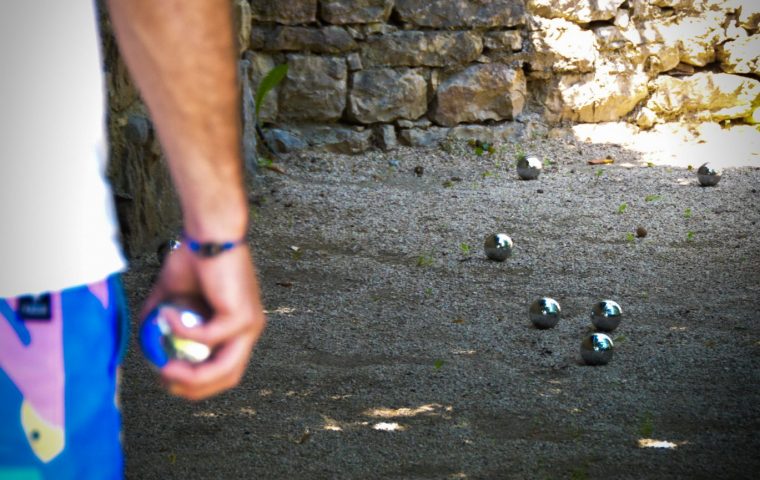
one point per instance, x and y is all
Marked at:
(57, 221)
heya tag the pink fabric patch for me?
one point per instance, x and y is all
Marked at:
(37, 369)
(100, 291)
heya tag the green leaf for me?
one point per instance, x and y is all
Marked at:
(687, 213)
(629, 237)
(465, 248)
(652, 198)
(623, 206)
(689, 236)
(438, 364)
(270, 80)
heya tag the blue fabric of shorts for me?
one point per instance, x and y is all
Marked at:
(59, 414)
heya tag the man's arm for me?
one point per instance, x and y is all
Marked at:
(181, 55)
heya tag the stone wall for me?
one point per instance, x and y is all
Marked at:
(378, 73)
(366, 73)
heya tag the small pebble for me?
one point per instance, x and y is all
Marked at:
(540, 190)
(418, 170)
(641, 232)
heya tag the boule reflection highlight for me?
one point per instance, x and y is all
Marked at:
(597, 349)
(606, 315)
(529, 168)
(498, 246)
(708, 175)
(544, 313)
(157, 340)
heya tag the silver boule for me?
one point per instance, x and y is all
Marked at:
(529, 168)
(708, 175)
(544, 313)
(498, 246)
(606, 315)
(597, 349)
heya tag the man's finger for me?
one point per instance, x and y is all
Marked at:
(229, 361)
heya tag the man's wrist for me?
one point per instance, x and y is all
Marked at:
(209, 249)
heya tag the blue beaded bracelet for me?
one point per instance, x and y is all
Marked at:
(209, 249)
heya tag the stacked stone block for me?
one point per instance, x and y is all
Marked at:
(384, 71)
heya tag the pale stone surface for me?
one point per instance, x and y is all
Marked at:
(503, 40)
(283, 141)
(314, 89)
(256, 67)
(248, 116)
(354, 61)
(242, 17)
(431, 49)
(336, 139)
(578, 11)
(561, 46)
(419, 123)
(704, 95)
(292, 12)
(341, 12)
(605, 95)
(385, 137)
(461, 13)
(330, 138)
(657, 57)
(487, 133)
(741, 56)
(385, 94)
(306, 39)
(429, 137)
(481, 92)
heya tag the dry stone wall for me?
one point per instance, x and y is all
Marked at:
(380, 73)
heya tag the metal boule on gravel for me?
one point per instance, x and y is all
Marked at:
(708, 175)
(544, 313)
(529, 168)
(498, 246)
(606, 315)
(597, 349)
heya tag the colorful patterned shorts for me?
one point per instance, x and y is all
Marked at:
(59, 359)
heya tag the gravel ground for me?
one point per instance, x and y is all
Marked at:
(396, 350)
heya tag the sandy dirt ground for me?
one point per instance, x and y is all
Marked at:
(396, 350)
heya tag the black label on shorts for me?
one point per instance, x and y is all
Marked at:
(35, 307)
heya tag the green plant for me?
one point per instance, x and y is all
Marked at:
(629, 237)
(438, 364)
(464, 248)
(264, 162)
(425, 260)
(650, 164)
(689, 236)
(273, 78)
(520, 154)
(687, 213)
(487, 174)
(622, 208)
(652, 198)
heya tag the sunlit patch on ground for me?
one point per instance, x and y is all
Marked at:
(388, 427)
(431, 408)
(679, 144)
(651, 443)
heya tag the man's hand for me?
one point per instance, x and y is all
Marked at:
(182, 55)
(228, 284)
